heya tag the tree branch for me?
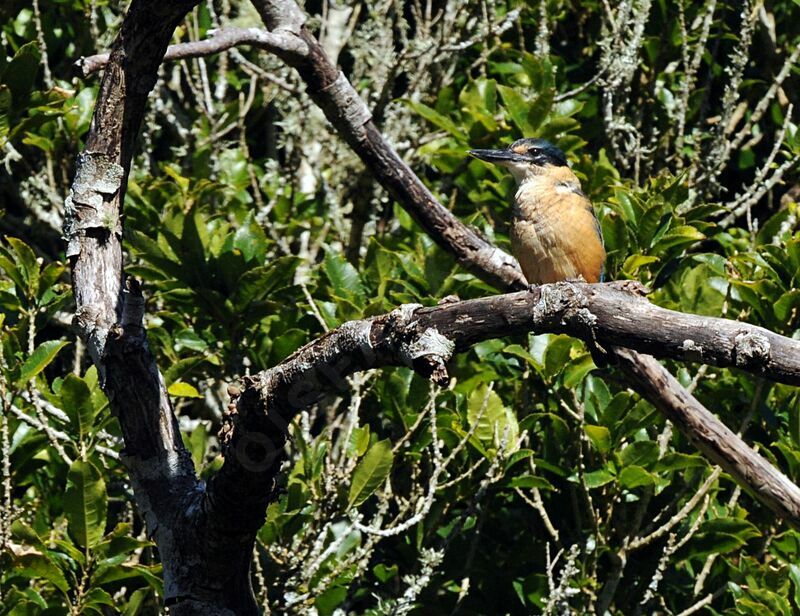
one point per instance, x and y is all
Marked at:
(712, 437)
(612, 317)
(219, 41)
(351, 118)
(426, 338)
(109, 317)
(206, 566)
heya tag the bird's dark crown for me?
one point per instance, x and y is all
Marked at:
(539, 152)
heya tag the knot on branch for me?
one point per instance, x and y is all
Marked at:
(751, 350)
(567, 304)
(132, 305)
(93, 328)
(429, 354)
(252, 432)
(97, 178)
(129, 336)
(425, 350)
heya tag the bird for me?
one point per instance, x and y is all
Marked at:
(555, 234)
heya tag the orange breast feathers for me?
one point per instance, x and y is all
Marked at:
(554, 234)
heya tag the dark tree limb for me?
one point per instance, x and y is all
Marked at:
(351, 118)
(712, 437)
(616, 318)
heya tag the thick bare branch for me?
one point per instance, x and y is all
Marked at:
(614, 317)
(426, 338)
(109, 316)
(206, 566)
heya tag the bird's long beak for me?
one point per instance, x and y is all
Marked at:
(498, 157)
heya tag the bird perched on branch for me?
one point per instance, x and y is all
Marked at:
(555, 234)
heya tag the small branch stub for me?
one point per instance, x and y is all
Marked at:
(429, 354)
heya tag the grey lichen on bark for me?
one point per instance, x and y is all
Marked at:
(751, 350)
(97, 179)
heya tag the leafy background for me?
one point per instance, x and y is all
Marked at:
(535, 483)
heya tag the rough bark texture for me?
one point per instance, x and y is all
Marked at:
(426, 338)
(610, 316)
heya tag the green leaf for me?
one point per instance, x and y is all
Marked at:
(359, 441)
(635, 476)
(679, 461)
(40, 359)
(786, 304)
(97, 596)
(557, 354)
(138, 597)
(38, 566)
(530, 481)
(26, 259)
(77, 403)
(634, 262)
(183, 390)
(794, 576)
(577, 369)
(641, 453)
(330, 599)
(600, 437)
(494, 420)
(437, 119)
(20, 74)
(344, 278)
(85, 503)
(259, 282)
(370, 472)
(517, 108)
(251, 239)
(384, 573)
(189, 339)
(598, 478)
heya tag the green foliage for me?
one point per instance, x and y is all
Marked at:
(238, 220)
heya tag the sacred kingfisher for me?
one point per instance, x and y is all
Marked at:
(555, 234)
